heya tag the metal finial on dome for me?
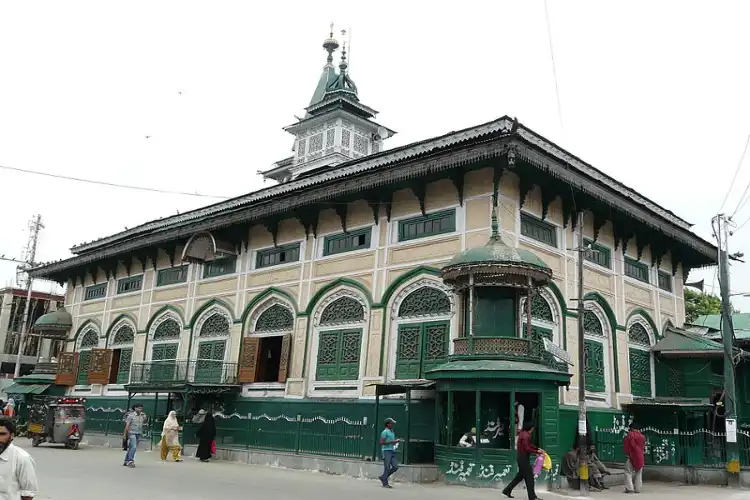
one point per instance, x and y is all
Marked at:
(343, 64)
(330, 44)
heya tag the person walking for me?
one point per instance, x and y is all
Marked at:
(133, 430)
(206, 434)
(524, 450)
(170, 437)
(635, 447)
(388, 443)
(17, 468)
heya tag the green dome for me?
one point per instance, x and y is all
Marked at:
(56, 320)
(497, 264)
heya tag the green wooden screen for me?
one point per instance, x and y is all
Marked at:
(210, 362)
(594, 364)
(338, 355)
(84, 365)
(421, 347)
(163, 372)
(640, 373)
(495, 312)
(123, 369)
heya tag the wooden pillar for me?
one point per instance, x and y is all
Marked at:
(408, 426)
(450, 418)
(478, 415)
(470, 318)
(438, 409)
(528, 311)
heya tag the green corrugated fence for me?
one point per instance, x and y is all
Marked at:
(698, 448)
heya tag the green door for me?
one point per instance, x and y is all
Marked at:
(163, 363)
(210, 363)
(84, 365)
(421, 347)
(640, 373)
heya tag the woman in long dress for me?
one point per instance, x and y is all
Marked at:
(170, 437)
(206, 435)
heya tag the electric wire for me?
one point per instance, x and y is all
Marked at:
(110, 184)
(554, 67)
(736, 172)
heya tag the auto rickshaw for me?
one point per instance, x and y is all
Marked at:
(57, 420)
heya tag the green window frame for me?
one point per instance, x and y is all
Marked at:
(640, 373)
(347, 242)
(130, 284)
(220, 267)
(665, 281)
(172, 275)
(601, 256)
(339, 352)
(421, 347)
(84, 365)
(94, 292)
(123, 369)
(424, 226)
(636, 270)
(594, 365)
(277, 256)
(538, 230)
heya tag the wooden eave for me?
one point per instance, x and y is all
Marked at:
(472, 148)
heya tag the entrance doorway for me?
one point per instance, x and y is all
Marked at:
(269, 359)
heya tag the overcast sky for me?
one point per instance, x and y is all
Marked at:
(653, 93)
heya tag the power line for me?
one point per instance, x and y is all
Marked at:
(737, 171)
(110, 184)
(554, 67)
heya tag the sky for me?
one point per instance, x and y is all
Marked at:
(652, 93)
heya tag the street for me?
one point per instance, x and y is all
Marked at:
(92, 472)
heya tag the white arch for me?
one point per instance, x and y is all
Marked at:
(396, 321)
(263, 307)
(113, 332)
(602, 398)
(89, 328)
(164, 316)
(555, 325)
(640, 320)
(211, 311)
(318, 388)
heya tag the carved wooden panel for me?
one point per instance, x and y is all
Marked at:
(101, 360)
(249, 359)
(67, 366)
(286, 347)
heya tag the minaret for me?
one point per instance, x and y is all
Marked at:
(336, 128)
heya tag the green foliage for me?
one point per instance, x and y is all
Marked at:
(699, 304)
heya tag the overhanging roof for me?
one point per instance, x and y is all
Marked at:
(475, 143)
(496, 369)
(677, 341)
(27, 388)
(681, 403)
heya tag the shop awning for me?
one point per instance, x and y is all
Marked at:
(27, 388)
(694, 404)
(496, 369)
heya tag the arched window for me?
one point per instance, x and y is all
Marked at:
(422, 330)
(122, 353)
(89, 339)
(594, 350)
(265, 352)
(214, 325)
(544, 321)
(165, 334)
(640, 360)
(339, 348)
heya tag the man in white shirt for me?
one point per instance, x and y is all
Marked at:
(17, 468)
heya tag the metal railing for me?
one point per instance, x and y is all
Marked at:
(512, 348)
(193, 371)
(696, 448)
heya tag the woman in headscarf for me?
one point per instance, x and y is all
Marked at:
(170, 437)
(206, 435)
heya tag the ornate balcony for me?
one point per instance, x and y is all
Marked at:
(173, 373)
(511, 348)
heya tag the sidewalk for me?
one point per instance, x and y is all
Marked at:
(659, 491)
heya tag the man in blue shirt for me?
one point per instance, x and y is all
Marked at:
(388, 444)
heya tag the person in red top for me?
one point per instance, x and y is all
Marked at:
(524, 449)
(635, 445)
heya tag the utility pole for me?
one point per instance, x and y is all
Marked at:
(34, 226)
(727, 334)
(583, 468)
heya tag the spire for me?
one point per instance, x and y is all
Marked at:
(495, 230)
(328, 77)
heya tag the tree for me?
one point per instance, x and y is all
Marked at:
(699, 304)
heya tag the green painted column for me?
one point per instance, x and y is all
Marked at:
(450, 418)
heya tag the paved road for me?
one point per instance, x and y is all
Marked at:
(96, 473)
